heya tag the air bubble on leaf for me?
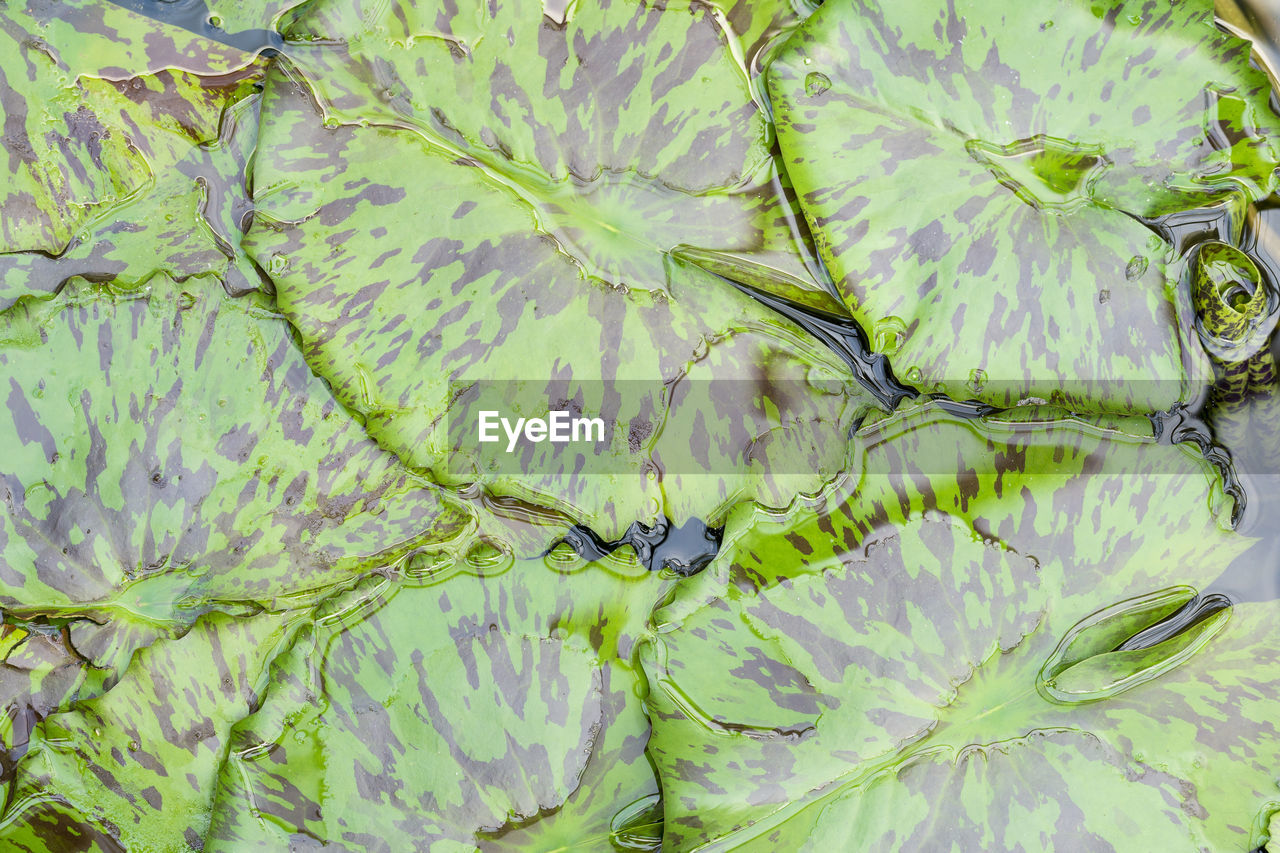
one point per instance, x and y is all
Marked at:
(816, 83)
(1136, 267)
(486, 557)
(888, 335)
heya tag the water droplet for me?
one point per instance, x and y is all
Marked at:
(816, 83)
(888, 335)
(426, 564)
(914, 374)
(1046, 25)
(1104, 296)
(215, 22)
(1134, 19)
(977, 379)
(487, 558)
(134, 746)
(1046, 172)
(278, 264)
(562, 558)
(1137, 266)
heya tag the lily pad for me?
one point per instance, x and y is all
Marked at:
(509, 720)
(119, 167)
(980, 176)
(137, 765)
(407, 294)
(895, 674)
(171, 453)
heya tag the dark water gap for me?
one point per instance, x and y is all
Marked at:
(194, 17)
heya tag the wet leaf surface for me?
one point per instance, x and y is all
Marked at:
(892, 646)
(979, 177)
(396, 330)
(171, 453)
(258, 262)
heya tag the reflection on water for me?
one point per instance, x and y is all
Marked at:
(1247, 423)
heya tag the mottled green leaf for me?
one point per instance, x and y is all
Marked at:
(121, 166)
(139, 763)
(171, 452)
(627, 126)
(509, 720)
(401, 287)
(889, 652)
(39, 672)
(976, 176)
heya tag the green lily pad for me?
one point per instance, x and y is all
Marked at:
(510, 720)
(137, 765)
(402, 304)
(121, 168)
(171, 453)
(979, 176)
(889, 649)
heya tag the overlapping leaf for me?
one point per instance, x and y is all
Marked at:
(629, 127)
(401, 287)
(128, 144)
(172, 452)
(888, 649)
(136, 767)
(508, 720)
(975, 176)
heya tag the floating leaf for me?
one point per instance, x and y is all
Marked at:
(171, 453)
(118, 174)
(138, 764)
(888, 648)
(981, 174)
(509, 720)
(400, 303)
